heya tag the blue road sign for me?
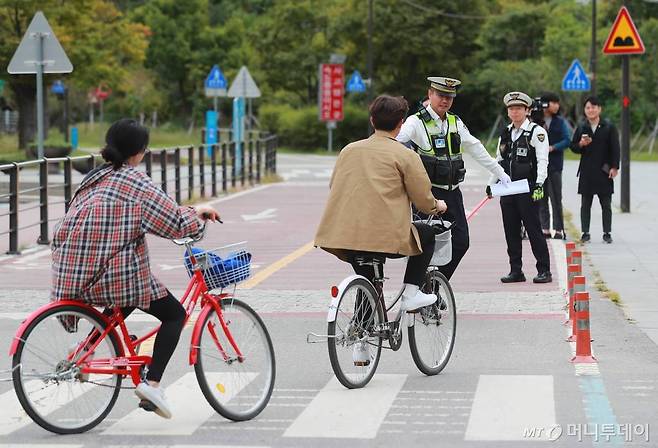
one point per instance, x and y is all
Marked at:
(58, 88)
(576, 78)
(74, 137)
(216, 79)
(211, 128)
(355, 83)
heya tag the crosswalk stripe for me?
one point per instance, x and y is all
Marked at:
(506, 406)
(352, 414)
(12, 415)
(188, 405)
(63, 445)
(41, 445)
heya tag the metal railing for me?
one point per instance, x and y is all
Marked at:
(207, 167)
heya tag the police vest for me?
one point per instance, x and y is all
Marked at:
(519, 156)
(442, 159)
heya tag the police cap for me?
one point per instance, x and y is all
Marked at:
(445, 86)
(517, 99)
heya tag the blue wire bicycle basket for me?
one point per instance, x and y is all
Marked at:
(221, 267)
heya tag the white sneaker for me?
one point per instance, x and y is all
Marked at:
(155, 396)
(418, 301)
(361, 354)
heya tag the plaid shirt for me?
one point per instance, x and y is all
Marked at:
(99, 248)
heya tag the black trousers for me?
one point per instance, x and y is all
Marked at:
(416, 266)
(517, 209)
(455, 214)
(586, 211)
(172, 315)
(553, 190)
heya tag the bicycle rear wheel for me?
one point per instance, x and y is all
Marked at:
(357, 316)
(432, 335)
(52, 389)
(237, 387)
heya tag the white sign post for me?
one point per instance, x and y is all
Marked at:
(39, 52)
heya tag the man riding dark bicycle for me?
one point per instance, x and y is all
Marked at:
(368, 212)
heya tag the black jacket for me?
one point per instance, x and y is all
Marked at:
(596, 158)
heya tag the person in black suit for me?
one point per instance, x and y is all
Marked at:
(597, 142)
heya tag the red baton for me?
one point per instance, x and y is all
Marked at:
(477, 207)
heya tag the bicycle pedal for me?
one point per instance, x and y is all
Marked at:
(147, 405)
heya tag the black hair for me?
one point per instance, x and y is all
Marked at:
(594, 101)
(124, 139)
(550, 96)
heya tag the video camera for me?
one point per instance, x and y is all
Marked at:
(537, 110)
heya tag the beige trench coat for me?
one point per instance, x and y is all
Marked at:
(369, 208)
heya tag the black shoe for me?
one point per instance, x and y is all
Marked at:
(543, 277)
(585, 238)
(547, 235)
(607, 238)
(560, 235)
(513, 277)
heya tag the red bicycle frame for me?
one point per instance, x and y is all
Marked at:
(130, 364)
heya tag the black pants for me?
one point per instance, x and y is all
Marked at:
(455, 214)
(553, 190)
(516, 209)
(416, 266)
(172, 315)
(586, 211)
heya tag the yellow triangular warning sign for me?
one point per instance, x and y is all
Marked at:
(623, 37)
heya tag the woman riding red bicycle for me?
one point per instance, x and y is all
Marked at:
(99, 248)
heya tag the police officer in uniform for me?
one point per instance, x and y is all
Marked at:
(441, 138)
(523, 153)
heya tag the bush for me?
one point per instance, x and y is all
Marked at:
(300, 128)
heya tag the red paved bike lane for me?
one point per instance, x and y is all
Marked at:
(278, 220)
(301, 209)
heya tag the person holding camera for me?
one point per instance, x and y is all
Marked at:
(523, 154)
(440, 138)
(558, 140)
(597, 142)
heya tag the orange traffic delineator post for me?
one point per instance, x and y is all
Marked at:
(570, 247)
(572, 271)
(578, 285)
(583, 341)
(577, 258)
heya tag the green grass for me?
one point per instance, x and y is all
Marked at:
(316, 151)
(163, 137)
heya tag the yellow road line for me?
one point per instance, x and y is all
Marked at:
(276, 266)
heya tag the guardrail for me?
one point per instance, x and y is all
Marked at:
(199, 167)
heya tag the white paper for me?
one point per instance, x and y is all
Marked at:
(516, 187)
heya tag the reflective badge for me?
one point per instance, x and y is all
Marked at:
(541, 137)
(523, 152)
(439, 142)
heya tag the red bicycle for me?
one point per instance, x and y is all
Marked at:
(69, 359)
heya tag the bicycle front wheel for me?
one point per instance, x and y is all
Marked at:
(432, 335)
(355, 344)
(52, 389)
(235, 366)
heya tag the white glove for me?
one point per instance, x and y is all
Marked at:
(504, 179)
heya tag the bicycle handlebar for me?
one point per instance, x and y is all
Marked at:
(189, 240)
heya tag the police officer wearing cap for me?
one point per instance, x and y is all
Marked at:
(441, 138)
(523, 153)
